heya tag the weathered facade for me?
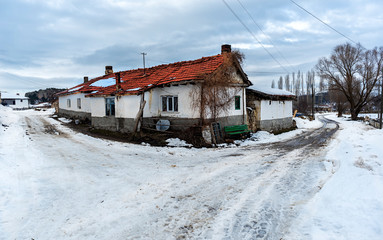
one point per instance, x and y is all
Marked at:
(270, 109)
(116, 101)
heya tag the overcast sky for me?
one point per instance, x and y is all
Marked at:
(54, 43)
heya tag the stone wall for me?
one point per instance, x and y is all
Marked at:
(112, 123)
(275, 125)
(83, 116)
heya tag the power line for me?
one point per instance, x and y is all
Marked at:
(259, 27)
(244, 25)
(323, 22)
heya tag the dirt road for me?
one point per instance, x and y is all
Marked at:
(92, 188)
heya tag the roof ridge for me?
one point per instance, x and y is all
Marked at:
(174, 63)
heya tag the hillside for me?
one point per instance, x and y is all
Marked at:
(43, 95)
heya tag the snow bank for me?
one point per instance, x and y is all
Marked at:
(176, 142)
(45, 104)
(261, 137)
(350, 204)
(7, 117)
(306, 124)
(64, 120)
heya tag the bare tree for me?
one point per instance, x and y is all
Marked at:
(280, 83)
(308, 84)
(303, 84)
(298, 84)
(354, 71)
(273, 84)
(322, 88)
(339, 99)
(322, 84)
(216, 93)
(287, 82)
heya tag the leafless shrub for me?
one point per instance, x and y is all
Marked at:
(215, 94)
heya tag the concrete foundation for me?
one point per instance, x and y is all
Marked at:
(111, 123)
(275, 125)
(83, 116)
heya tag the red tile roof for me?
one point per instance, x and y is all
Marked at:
(134, 81)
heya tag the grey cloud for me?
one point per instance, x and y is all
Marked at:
(91, 34)
(16, 83)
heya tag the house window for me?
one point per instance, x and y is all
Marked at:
(269, 102)
(109, 107)
(68, 104)
(21, 100)
(169, 103)
(79, 103)
(237, 103)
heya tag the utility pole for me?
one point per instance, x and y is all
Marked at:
(381, 100)
(143, 59)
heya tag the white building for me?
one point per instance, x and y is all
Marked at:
(14, 101)
(270, 109)
(166, 92)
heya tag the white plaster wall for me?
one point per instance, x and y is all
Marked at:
(275, 110)
(185, 110)
(85, 102)
(97, 106)
(21, 103)
(127, 106)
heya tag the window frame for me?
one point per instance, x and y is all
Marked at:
(68, 103)
(237, 102)
(169, 103)
(110, 106)
(78, 103)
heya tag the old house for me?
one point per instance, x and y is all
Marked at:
(270, 109)
(176, 95)
(14, 101)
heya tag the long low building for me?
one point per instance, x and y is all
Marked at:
(180, 94)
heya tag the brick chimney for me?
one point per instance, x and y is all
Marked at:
(86, 79)
(108, 69)
(118, 81)
(225, 48)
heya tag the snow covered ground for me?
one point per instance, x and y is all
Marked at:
(350, 204)
(59, 184)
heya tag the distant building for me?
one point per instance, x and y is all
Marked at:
(14, 101)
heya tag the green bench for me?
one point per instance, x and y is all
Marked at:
(236, 130)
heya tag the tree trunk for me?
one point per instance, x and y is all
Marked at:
(354, 114)
(340, 109)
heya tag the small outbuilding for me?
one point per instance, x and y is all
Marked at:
(14, 101)
(269, 109)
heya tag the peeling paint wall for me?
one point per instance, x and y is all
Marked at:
(127, 106)
(153, 107)
(97, 105)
